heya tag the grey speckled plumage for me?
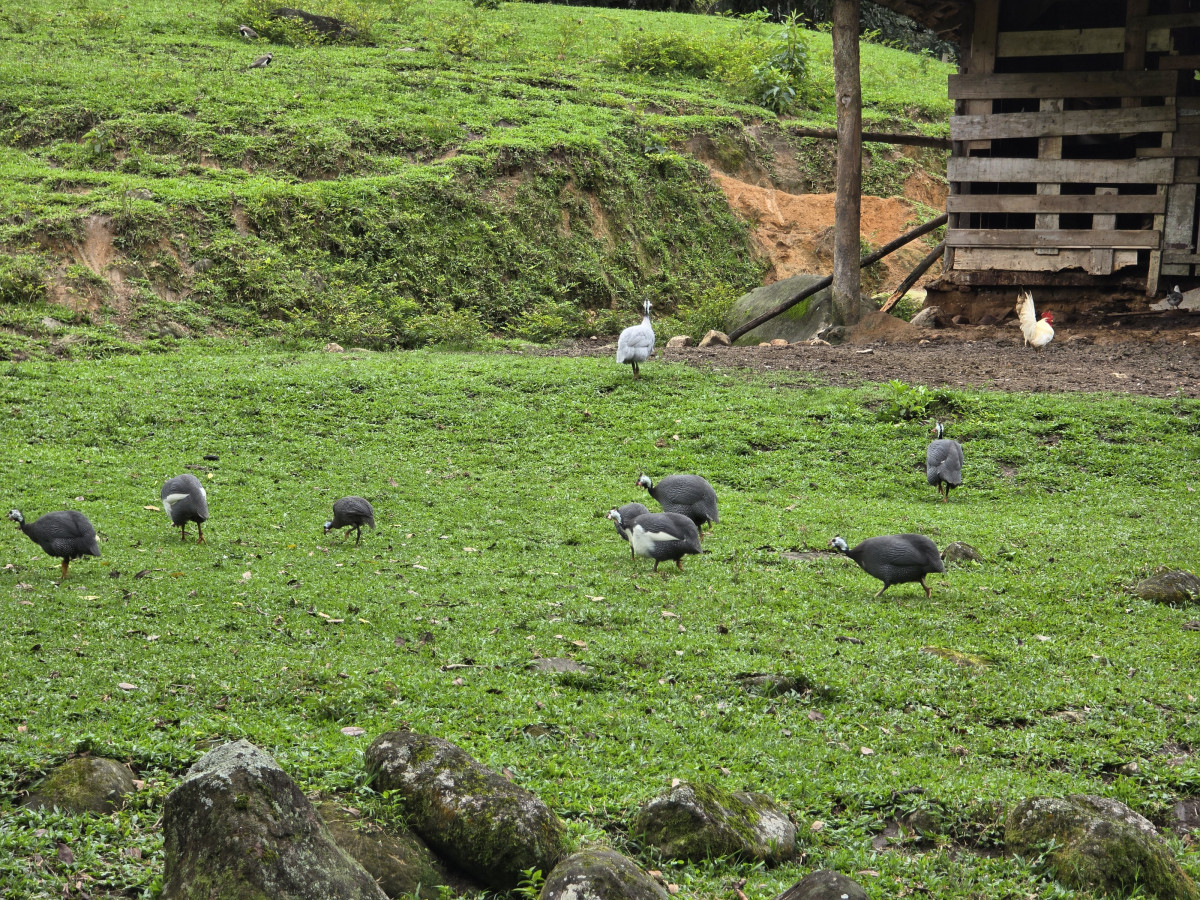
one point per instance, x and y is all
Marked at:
(629, 512)
(943, 463)
(895, 558)
(185, 500)
(351, 512)
(65, 534)
(661, 536)
(688, 495)
(636, 343)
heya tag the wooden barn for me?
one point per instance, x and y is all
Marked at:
(1076, 147)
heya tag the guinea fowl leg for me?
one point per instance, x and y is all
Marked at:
(928, 593)
(183, 532)
(880, 591)
(358, 537)
(679, 564)
(635, 371)
(65, 564)
(200, 528)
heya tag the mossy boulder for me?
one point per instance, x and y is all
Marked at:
(89, 784)
(961, 552)
(471, 816)
(800, 323)
(824, 884)
(237, 827)
(1099, 844)
(701, 821)
(399, 861)
(600, 875)
(1169, 586)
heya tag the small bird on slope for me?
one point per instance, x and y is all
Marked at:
(943, 462)
(248, 33)
(895, 558)
(184, 499)
(351, 512)
(661, 536)
(66, 534)
(263, 61)
(636, 343)
(1038, 332)
(1175, 297)
(629, 512)
(688, 495)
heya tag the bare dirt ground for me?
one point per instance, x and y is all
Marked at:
(1162, 361)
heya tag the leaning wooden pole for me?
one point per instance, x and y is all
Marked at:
(847, 207)
(875, 257)
(922, 267)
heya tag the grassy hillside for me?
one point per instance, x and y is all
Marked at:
(490, 477)
(512, 169)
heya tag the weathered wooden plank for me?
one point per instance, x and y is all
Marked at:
(1102, 257)
(980, 261)
(1081, 238)
(1167, 152)
(1061, 203)
(1179, 62)
(1181, 258)
(981, 60)
(1075, 171)
(1075, 41)
(1059, 124)
(1171, 20)
(1034, 86)
(1181, 210)
(1049, 148)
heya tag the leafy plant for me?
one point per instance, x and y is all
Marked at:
(21, 279)
(530, 885)
(780, 77)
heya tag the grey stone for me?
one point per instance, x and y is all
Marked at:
(600, 875)
(558, 664)
(1096, 843)
(89, 784)
(52, 325)
(238, 827)
(961, 551)
(470, 815)
(1186, 815)
(680, 341)
(802, 322)
(203, 264)
(824, 885)
(1169, 586)
(703, 821)
(399, 862)
(929, 317)
(715, 338)
(332, 347)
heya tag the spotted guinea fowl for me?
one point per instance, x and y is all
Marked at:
(688, 495)
(351, 512)
(636, 343)
(660, 536)
(943, 463)
(184, 499)
(895, 558)
(628, 513)
(65, 534)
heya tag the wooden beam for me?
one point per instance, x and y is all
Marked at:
(1038, 85)
(1167, 152)
(1025, 269)
(1074, 171)
(981, 61)
(1179, 62)
(1092, 204)
(1102, 257)
(1171, 20)
(1081, 238)
(1075, 42)
(1059, 124)
(847, 206)
(878, 137)
(1179, 257)
(1049, 148)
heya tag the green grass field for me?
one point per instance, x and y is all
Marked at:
(490, 476)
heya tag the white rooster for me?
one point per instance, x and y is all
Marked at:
(1038, 332)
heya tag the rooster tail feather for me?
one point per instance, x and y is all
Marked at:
(1025, 310)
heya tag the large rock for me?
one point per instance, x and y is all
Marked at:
(929, 317)
(237, 827)
(600, 875)
(961, 552)
(472, 816)
(1099, 844)
(702, 821)
(800, 323)
(824, 885)
(1169, 586)
(400, 862)
(89, 784)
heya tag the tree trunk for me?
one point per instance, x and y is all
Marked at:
(847, 207)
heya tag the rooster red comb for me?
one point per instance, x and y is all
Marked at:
(1048, 316)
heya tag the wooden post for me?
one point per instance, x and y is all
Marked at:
(848, 204)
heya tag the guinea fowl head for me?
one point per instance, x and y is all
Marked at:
(615, 515)
(839, 545)
(938, 430)
(328, 525)
(644, 481)
(16, 516)
(646, 307)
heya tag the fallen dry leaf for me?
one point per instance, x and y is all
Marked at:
(866, 751)
(151, 508)
(65, 853)
(816, 826)
(353, 731)
(126, 686)
(458, 682)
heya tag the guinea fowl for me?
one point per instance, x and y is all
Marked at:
(351, 512)
(943, 463)
(636, 343)
(628, 513)
(1175, 297)
(660, 536)
(184, 499)
(895, 558)
(688, 495)
(66, 534)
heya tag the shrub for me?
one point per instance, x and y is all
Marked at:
(359, 18)
(666, 53)
(549, 322)
(21, 279)
(451, 329)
